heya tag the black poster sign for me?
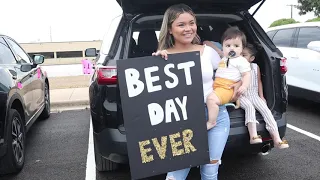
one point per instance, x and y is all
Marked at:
(164, 115)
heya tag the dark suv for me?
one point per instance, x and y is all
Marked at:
(134, 34)
(24, 96)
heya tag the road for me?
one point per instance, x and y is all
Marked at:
(57, 149)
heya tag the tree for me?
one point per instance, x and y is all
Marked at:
(283, 22)
(306, 6)
(314, 19)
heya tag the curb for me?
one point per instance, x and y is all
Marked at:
(69, 103)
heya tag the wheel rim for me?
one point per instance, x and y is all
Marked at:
(17, 140)
(47, 99)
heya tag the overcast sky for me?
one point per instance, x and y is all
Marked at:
(83, 20)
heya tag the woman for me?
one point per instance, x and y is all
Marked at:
(178, 35)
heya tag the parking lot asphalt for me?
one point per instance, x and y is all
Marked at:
(57, 150)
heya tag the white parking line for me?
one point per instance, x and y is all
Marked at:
(304, 132)
(91, 164)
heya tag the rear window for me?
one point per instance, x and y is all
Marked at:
(306, 35)
(135, 36)
(108, 38)
(6, 56)
(271, 34)
(283, 37)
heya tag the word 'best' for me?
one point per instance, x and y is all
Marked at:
(136, 86)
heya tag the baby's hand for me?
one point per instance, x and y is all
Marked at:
(242, 90)
(163, 53)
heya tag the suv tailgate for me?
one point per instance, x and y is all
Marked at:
(147, 6)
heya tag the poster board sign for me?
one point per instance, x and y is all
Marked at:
(164, 113)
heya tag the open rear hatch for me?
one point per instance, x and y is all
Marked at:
(135, 7)
(148, 6)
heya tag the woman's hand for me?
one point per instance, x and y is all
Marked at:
(163, 53)
(236, 94)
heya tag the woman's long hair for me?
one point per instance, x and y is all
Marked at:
(166, 40)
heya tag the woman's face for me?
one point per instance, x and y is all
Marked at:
(184, 28)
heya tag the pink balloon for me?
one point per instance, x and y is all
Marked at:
(39, 73)
(19, 85)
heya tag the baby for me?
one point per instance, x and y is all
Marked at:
(232, 68)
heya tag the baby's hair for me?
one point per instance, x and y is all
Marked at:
(252, 50)
(233, 33)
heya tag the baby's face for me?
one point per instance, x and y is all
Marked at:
(232, 45)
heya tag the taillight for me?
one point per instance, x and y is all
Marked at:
(283, 65)
(107, 75)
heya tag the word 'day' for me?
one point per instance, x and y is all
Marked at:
(157, 114)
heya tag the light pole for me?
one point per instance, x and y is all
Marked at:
(50, 35)
(292, 5)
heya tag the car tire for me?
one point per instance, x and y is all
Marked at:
(103, 164)
(13, 160)
(46, 111)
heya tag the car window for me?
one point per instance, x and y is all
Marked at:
(22, 57)
(306, 35)
(135, 36)
(283, 37)
(108, 38)
(6, 56)
(2, 41)
(271, 34)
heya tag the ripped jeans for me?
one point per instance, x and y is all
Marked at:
(217, 138)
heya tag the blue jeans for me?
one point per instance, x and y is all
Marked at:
(217, 138)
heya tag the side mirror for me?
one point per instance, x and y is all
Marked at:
(91, 52)
(314, 45)
(38, 59)
(26, 67)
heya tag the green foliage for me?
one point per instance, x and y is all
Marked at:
(314, 19)
(283, 22)
(306, 6)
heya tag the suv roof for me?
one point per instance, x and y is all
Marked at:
(305, 24)
(147, 6)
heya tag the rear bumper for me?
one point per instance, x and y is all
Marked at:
(112, 144)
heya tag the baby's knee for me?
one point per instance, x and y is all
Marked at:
(170, 178)
(247, 107)
(214, 161)
(213, 98)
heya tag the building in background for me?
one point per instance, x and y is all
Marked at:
(61, 52)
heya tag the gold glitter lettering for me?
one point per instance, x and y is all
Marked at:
(145, 158)
(187, 136)
(161, 149)
(175, 145)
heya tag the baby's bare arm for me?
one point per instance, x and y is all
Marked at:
(246, 78)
